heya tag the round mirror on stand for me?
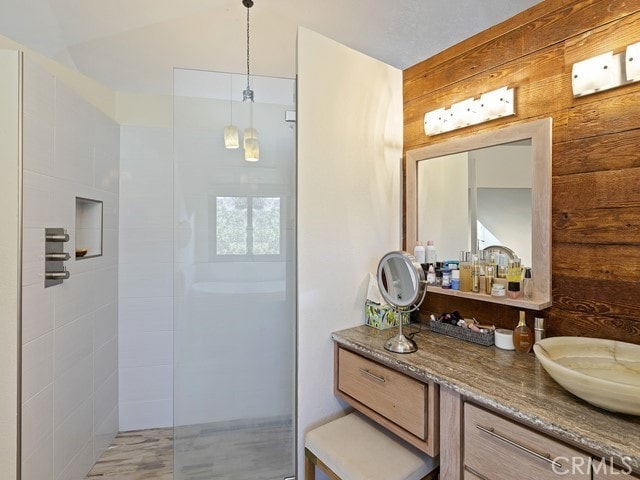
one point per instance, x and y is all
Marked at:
(403, 286)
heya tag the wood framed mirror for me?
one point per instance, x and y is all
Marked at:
(456, 208)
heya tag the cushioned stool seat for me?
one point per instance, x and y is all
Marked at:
(354, 448)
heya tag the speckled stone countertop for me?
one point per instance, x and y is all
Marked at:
(507, 382)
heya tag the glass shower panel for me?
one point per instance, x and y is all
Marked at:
(234, 314)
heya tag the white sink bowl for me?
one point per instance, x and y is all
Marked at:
(602, 372)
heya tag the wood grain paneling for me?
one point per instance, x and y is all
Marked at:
(607, 189)
(522, 36)
(604, 115)
(596, 160)
(616, 151)
(597, 226)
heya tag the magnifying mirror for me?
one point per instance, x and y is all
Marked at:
(402, 284)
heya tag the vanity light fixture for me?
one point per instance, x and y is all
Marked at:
(472, 111)
(606, 71)
(632, 63)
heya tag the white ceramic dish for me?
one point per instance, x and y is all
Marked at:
(602, 372)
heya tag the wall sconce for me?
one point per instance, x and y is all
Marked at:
(491, 105)
(606, 71)
(632, 63)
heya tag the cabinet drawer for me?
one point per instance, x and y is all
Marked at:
(499, 449)
(395, 396)
(604, 471)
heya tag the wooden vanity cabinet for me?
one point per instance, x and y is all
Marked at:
(602, 471)
(497, 448)
(405, 406)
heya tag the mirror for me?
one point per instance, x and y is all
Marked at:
(482, 190)
(402, 285)
(488, 194)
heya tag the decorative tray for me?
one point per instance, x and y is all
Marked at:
(486, 339)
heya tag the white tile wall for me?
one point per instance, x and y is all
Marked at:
(146, 278)
(70, 388)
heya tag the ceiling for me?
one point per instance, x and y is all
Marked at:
(133, 45)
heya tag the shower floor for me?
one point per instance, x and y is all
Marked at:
(237, 450)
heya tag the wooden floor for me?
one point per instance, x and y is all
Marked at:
(255, 450)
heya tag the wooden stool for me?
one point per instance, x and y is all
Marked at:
(354, 448)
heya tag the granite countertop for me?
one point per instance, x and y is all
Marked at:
(511, 383)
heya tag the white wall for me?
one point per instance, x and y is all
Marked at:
(9, 258)
(443, 205)
(349, 151)
(101, 97)
(146, 276)
(69, 383)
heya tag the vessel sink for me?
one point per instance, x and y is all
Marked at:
(602, 372)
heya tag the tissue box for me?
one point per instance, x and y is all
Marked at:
(382, 317)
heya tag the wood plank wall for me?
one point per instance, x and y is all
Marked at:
(596, 154)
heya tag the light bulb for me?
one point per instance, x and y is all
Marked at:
(251, 149)
(231, 137)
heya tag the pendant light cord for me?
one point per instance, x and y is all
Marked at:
(248, 51)
(248, 93)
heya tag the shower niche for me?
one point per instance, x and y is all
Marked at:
(88, 228)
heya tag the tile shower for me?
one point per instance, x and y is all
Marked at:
(69, 331)
(139, 336)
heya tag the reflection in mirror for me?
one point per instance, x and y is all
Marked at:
(402, 285)
(487, 200)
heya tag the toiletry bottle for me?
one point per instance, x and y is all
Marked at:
(539, 330)
(465, 271)
(446, 278)
(488, 279)
(475, 275)
(431, 275)
(482, 266)
(419, 252)
(430, 252)
(514, 274)
(522, 337)
(527, 284)
(455, 279)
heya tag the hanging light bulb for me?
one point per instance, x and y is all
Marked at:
(251, 145)
(249, 134)
(251, 150)
(231, 137)
(250, 141)
(231, 131)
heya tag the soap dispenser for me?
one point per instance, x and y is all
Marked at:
(522, 337)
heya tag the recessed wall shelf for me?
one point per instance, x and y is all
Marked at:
(88, 228)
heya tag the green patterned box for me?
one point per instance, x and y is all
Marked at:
(382, 317)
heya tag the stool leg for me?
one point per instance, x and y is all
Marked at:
(309, 467)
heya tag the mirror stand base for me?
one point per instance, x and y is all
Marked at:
(400, 344)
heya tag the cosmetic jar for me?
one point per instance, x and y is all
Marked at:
(504, 339)
(498, 290)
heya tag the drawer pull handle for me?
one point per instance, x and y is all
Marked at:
(546, 457)
(377, 378)
(473, 472)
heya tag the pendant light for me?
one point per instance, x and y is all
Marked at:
(251, 145)
(231, 131)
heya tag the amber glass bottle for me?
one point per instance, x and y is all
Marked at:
(522, 336)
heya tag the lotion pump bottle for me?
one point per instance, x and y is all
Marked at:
(522, 336)
(419, 252)
(430, 252)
